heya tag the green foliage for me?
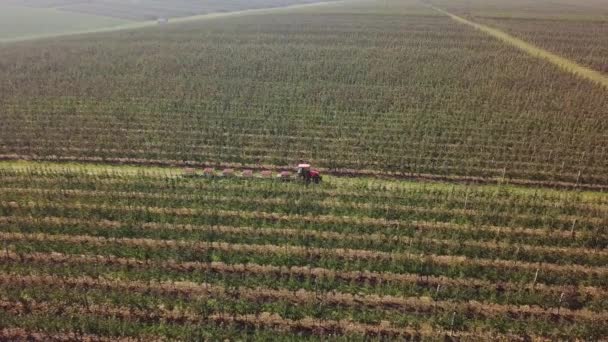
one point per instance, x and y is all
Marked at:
(386, 92)
(143, 230)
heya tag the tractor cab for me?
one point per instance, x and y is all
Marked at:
(308, 175)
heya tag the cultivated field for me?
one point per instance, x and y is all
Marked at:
(585, 42)
(393, 94)
(407, 94)
(153, 9)
(23, 22)
(115, 252)
(543, 9)
(577, 30)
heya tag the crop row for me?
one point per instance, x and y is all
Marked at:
(342, 258)
(533, 237)
(243, 301)
(512, 143)
(18, 334)
(386, 212)
(449, 153)
(391, 303)
(380, 242)
(369, 98)
(321, 278)
(398, 193)
(484, 161)
(343, 172)
(480, 166)
(263, 320)
(583, 41)
(337, 219)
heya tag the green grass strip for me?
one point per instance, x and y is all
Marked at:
(561, 62)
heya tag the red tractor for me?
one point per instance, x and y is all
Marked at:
(308, 175)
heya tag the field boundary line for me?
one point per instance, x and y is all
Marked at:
(174, 20)
(533, 50)
(341, 173)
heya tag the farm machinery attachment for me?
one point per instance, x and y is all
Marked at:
(303, 173)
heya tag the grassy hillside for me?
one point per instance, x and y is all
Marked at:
(19, 22)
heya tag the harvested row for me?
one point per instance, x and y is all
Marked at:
(481, 167)
(496, 179)
(330, 202)
(456, 196)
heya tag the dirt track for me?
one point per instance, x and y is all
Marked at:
(561, 62)
(152, 23)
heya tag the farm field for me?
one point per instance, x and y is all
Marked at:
(522, 9)
(20, 22)
(129, 252)
(105, 235)
(585, 42)
(142, 10)
(577, 30)
(402, 93)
